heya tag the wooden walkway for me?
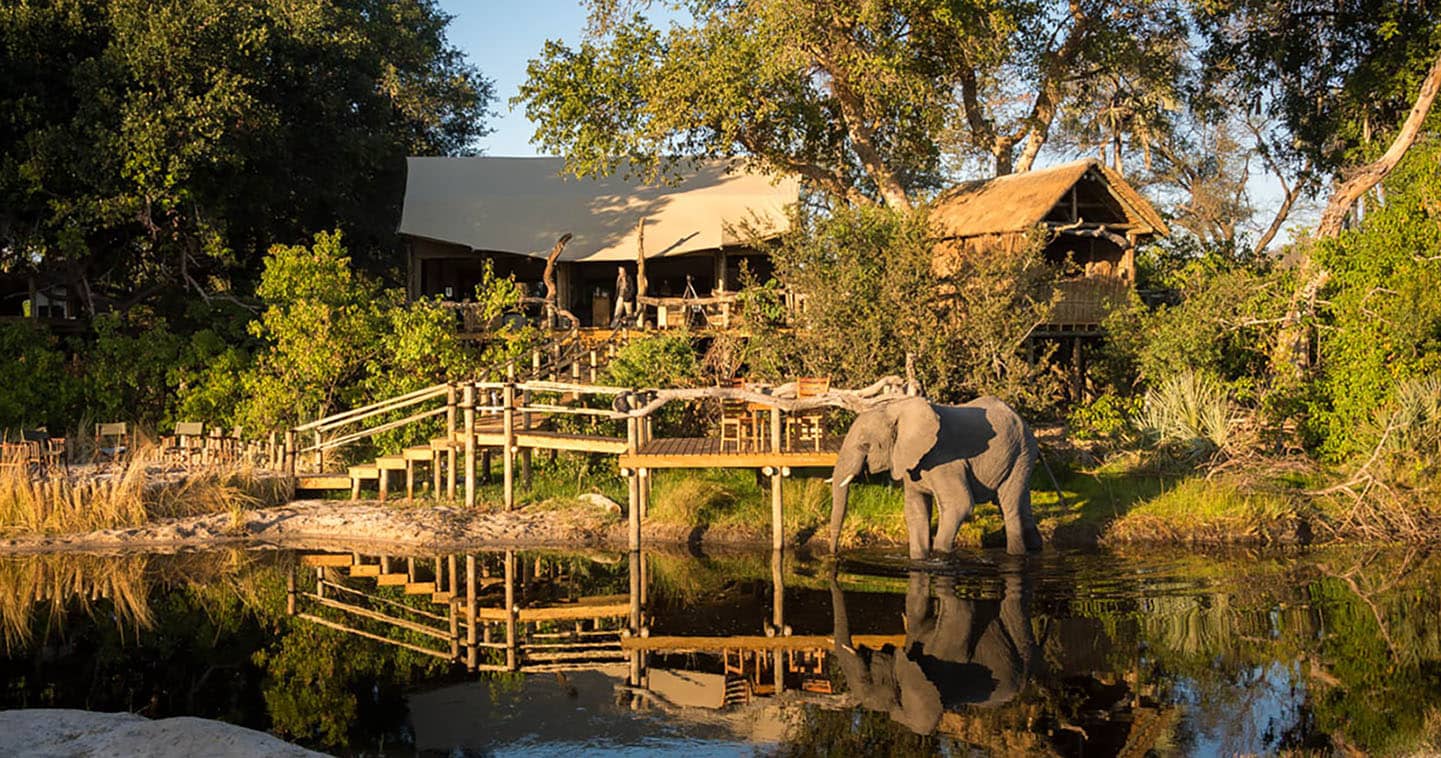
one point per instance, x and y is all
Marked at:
(706, 452)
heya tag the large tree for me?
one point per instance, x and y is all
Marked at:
(151, 146)
(861, 99)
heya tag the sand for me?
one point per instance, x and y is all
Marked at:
(57, 732)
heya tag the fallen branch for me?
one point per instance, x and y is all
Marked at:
(645, 402)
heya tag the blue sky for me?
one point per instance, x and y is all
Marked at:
(499, 38)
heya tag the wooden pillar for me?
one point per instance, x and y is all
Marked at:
(632, 486)
(594, 361)
(776, 471)
(508, 441)
(778, 614)
(290, 451)
(450, 419)
(512, 659)
(290, 592)
(472, 653)
(468, 404)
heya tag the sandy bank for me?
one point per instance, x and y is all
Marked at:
(57, 732)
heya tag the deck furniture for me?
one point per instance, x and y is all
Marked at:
(112, 440)
(740, 424)
(803, 426)
(186, 444)
(47, 451)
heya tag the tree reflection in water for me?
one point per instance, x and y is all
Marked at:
(1103, 654)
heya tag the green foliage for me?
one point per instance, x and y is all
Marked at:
(35, 387)
(658, 360)
(1107, 417)
(127, 368)
(860, 99)
(1191, 409)
(1383, 314)
(149, 146)
(872, 296)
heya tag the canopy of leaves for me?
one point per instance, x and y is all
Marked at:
(857, 98)
(151, 147)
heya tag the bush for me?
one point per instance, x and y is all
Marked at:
(35, 387)
(1108, 417)
(1191, 409)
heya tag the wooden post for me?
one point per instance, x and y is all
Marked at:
(273, 451)
(594, 365)
(290, 451)
(778, 613)
(634, 626)
(643, 438)
(472, 653)
(633, 486)
(511, 658)
(777, 522)
(449, 443)
(525, 453)
(290, 592)
(468, 404)
(508, 441)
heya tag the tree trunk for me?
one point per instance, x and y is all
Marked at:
(1293, 355)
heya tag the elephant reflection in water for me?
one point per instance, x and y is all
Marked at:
(957, 652)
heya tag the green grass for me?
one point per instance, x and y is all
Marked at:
(1213, 511)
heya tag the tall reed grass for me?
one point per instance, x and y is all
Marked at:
(123, 494)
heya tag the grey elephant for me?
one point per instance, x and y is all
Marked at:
(951, 455)
(958, 652)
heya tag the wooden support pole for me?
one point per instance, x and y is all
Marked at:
(633, 486)
(450, 419)
(290, 452)
(472, 653)
(468, 404)
(290, 592)
(778, 539)
(508, 443)
(512, 660)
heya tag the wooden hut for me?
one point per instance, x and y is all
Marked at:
(461, 212)
(1093, 217)
(1092, 221)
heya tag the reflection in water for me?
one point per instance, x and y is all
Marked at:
(1058, 654)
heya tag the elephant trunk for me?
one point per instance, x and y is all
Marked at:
(848, 464)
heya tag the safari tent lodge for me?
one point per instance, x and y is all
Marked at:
(462, 214)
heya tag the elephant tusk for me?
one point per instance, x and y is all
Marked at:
(844, 481)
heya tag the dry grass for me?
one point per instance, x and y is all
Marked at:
(124, 495)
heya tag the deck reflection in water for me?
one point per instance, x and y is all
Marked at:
(1059, 654)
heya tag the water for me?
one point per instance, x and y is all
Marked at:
(1065, 653)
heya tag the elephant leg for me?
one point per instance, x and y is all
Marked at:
(1014, 498)
(955, 506)
(918, 522)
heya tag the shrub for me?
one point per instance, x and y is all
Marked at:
(1105, 418)
(35, 387)
(1191, 409)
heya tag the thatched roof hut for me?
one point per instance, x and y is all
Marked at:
(1093, 218)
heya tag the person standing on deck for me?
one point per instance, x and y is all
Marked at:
(624, 292)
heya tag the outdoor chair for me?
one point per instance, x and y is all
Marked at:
(15, 455)
(186, 444)
(738, 425)
(112, 440)
(808, 425)
(47, 451)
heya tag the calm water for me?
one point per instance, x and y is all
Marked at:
(1091, 654)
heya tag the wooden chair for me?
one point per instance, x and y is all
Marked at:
(47, 451)
(809, 425)
(117, 434)
(736, 425)
(186, 444)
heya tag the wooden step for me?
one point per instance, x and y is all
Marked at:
(364, 472)
(419, 588)
(365, 569)
(418, 453)
(390, 462)
(394, 580)
(325, 559)
(441, 597)
(322, 482)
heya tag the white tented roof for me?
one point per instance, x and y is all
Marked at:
(522, 205)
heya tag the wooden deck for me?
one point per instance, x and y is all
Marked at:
(705, 452)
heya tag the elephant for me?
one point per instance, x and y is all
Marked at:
(965, 653)
(952, 455)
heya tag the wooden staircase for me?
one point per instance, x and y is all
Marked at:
(568, 357)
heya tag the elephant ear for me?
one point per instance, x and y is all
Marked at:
(917, 429)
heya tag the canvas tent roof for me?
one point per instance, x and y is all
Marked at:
(522, 205)
(1017, 202)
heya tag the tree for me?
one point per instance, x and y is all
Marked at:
(856, 98)
(151, 147)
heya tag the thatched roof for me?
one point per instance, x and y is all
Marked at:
(521, 205)
(1018, 202)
